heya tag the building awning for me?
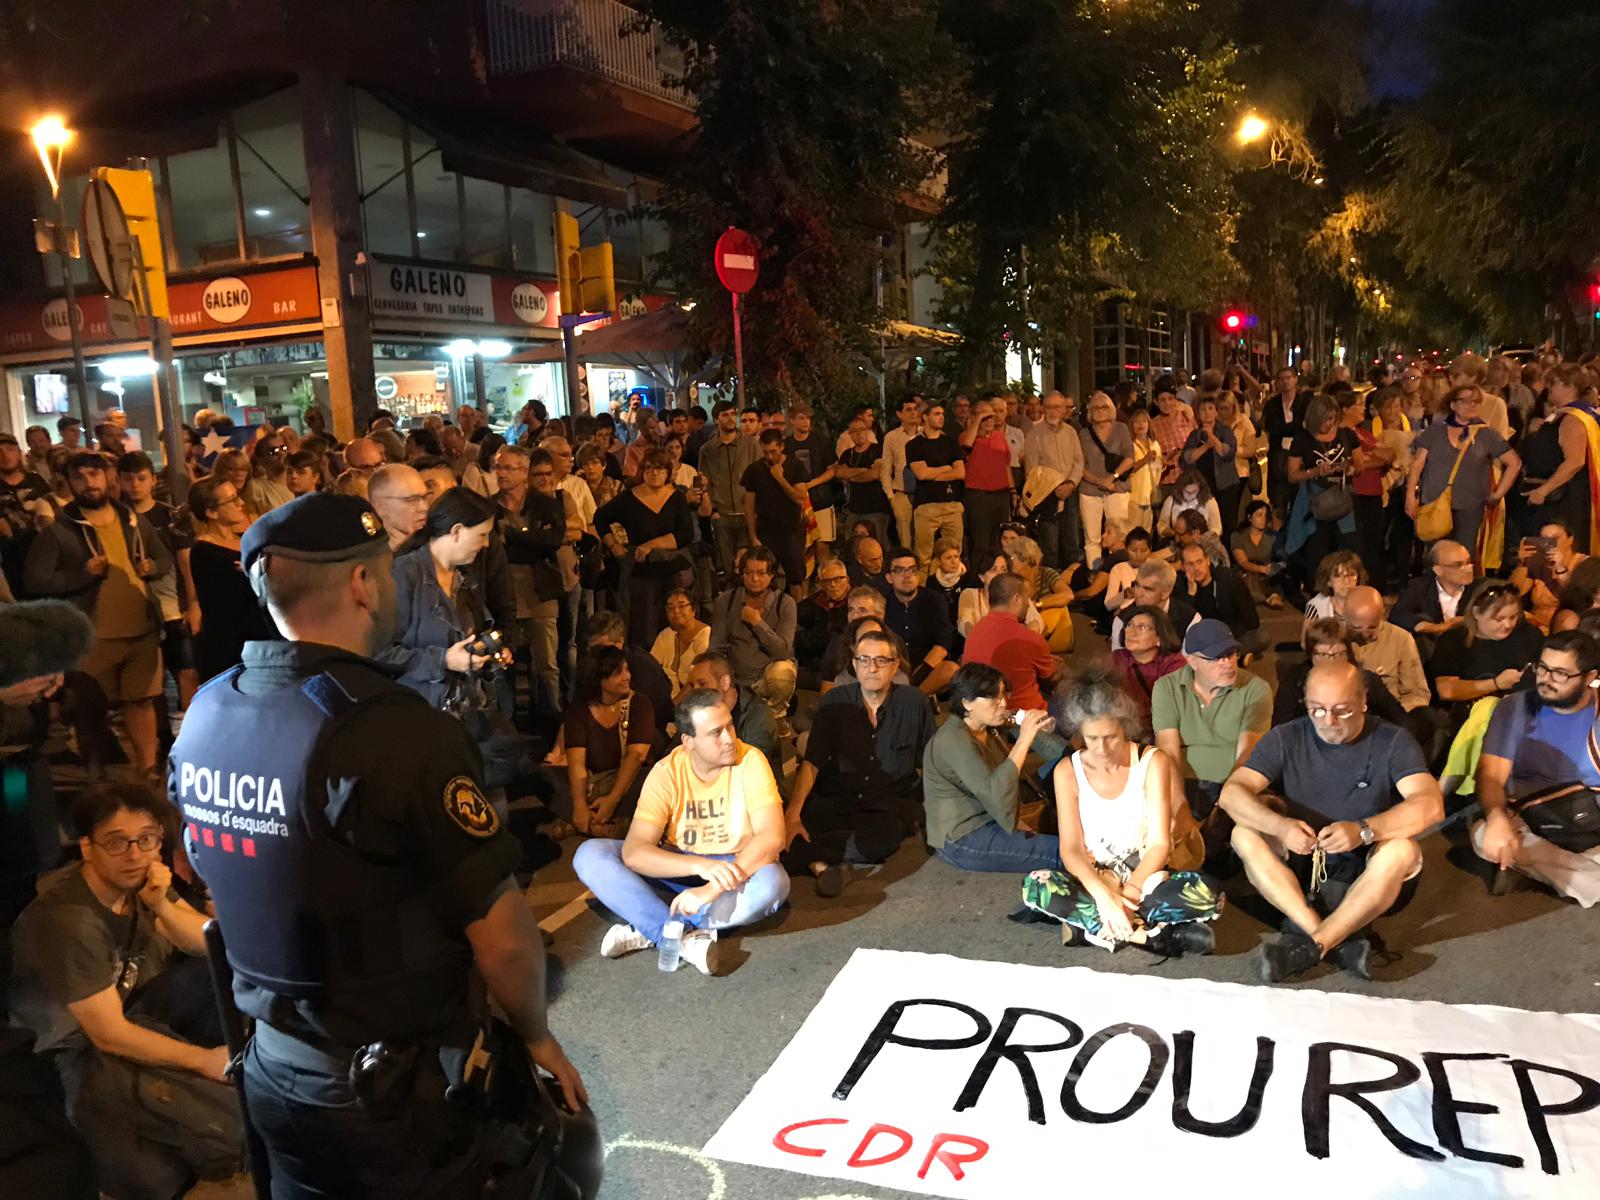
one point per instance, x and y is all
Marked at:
(487, 147)
(654, 344)
(920, 337)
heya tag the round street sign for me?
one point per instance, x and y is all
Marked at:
(738, 260)
(106, 238)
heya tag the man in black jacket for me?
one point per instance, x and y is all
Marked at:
(1219, 593)
(533, 525)
(1281, 418)
(107, 560)
(1430, 603)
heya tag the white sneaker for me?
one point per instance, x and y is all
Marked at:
(622, 939)
(700, 949)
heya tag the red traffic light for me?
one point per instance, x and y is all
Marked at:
(1233, 321)
(1594, 292)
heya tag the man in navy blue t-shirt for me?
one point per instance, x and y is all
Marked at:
(1339, 790)
(1540, 741)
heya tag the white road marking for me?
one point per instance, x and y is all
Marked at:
(572, 908)
(719, 1181)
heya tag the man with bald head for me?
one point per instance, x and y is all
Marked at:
(1335, 791)
(363, 454)
(400, 496)
(1386, 650)
(1430, 604)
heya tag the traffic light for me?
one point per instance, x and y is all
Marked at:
(136, 192)
(1233, 320)
(584, 274)
(569, 269)
(597, 282)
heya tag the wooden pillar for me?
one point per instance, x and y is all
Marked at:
(332, 181)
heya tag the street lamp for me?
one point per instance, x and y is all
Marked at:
(51, 137)
(1252, 128)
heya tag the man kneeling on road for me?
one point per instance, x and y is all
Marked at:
(1331, 829)
(709, 811)
(1539, 774)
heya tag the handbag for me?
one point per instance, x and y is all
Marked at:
(1435, 519)
(1333, 501)
(1565, 814)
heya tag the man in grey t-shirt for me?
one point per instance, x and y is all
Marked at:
(98, 975)
(1340, 789)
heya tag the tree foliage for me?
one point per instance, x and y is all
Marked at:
(1490, 176)
(806, 110)
(1083, 161)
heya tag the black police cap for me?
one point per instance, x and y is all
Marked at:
(319, 527)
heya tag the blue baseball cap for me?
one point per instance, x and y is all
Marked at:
(1210, 639)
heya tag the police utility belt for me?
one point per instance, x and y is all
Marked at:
(487, 1093)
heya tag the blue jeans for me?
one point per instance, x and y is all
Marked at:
(645, 903)
(990, 848)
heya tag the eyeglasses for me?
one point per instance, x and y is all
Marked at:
(873, 660)
(1558, 674)
(543, 473)
(835, 578)
(902, 570)
(1339, 712)
(118, 844)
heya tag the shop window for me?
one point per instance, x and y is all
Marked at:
(272, 174)
(532, 236)
(439, 203)
(485, 236)
(381, 161)
(204, 218)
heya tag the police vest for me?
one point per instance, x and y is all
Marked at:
(305, 915)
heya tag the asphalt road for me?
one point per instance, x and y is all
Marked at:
(668, 1058)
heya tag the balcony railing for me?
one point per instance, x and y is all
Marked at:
(527, 35)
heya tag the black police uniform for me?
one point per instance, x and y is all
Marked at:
(341, 825)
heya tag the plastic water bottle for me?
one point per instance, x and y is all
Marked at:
(671, 946)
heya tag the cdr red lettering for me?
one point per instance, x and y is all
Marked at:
(953, 1151)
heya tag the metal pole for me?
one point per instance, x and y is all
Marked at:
(569, 351)
(72, 315)
(168, 408)
(738, 349)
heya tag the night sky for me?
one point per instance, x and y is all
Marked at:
(1397, 55)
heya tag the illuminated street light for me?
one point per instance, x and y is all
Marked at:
(52, 137)
(1252, 128)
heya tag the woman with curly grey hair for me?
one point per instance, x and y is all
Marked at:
(1130, 877)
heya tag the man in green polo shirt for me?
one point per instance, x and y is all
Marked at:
(1208, 716)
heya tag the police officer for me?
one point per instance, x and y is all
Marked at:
(358, 874)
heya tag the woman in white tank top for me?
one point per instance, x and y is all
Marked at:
(1125, 879)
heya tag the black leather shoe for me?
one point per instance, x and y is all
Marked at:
(1353, 956)
(1291, 955)
(1192, 937)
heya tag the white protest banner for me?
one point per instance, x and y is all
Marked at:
(949, 1077)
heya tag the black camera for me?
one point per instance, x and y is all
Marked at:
(487, 645)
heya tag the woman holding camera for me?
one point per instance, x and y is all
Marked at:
(443, 635)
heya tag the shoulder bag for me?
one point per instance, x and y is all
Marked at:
(1565, 814)
(1435, 518)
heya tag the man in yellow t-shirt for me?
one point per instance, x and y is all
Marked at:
(703, 846)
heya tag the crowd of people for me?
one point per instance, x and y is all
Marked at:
(710, 653)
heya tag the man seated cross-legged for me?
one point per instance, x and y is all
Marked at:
(1328, 809)
(703, 846)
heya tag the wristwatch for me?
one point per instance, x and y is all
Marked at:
(1367, 836)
